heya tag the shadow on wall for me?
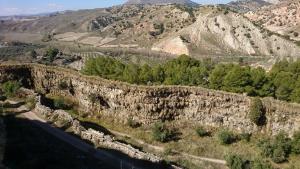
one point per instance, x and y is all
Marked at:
(28, 145)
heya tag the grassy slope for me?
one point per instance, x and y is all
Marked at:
(190, 143)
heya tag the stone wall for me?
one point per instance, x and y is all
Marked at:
(148, 104)
(62, 119)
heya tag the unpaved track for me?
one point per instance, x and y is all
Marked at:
(161, 149)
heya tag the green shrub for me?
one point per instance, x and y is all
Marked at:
(226, 137)
(235, 162)
(296, 143)
(10, 88)
(266, 147)
(259, 164)
(257, 114)
(245, 136)
(278, 148)
(278, 155)
(162, 133)
(51, 53)
(63, 85)
(202, 132)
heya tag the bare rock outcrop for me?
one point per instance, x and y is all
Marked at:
(174, 46)
(218, 32)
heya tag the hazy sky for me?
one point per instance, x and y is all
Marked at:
(15, 7)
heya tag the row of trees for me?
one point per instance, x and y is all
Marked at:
(281, 82)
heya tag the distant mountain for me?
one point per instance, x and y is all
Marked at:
(158, 2)
(204, 31)
(248, 5)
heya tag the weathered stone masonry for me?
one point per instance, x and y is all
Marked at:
(147, 104)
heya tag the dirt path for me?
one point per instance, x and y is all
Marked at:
(161, 149)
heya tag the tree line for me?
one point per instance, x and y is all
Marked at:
(281, 82)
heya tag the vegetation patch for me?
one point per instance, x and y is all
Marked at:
(257, 112)
(281, 82)
(235, 161)
(202, 132)
(226, 137)
(15, 49)
(280, 147)
(10, 88)
(162, 133)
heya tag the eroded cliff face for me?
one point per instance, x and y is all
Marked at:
(145, 104)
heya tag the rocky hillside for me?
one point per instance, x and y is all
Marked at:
(177, 29)
(220, 32)
(56, 23)
(129, 25)
(156, 2)
(283, 18)
(247, 5)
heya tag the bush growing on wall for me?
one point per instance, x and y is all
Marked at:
(10, 88)
(257, 114)
(63, 85)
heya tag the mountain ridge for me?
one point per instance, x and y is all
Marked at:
(247, 5)
(161, 2)
(205, 31)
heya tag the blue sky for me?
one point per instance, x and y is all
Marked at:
(15, 7)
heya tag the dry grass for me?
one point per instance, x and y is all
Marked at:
(190, 143)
